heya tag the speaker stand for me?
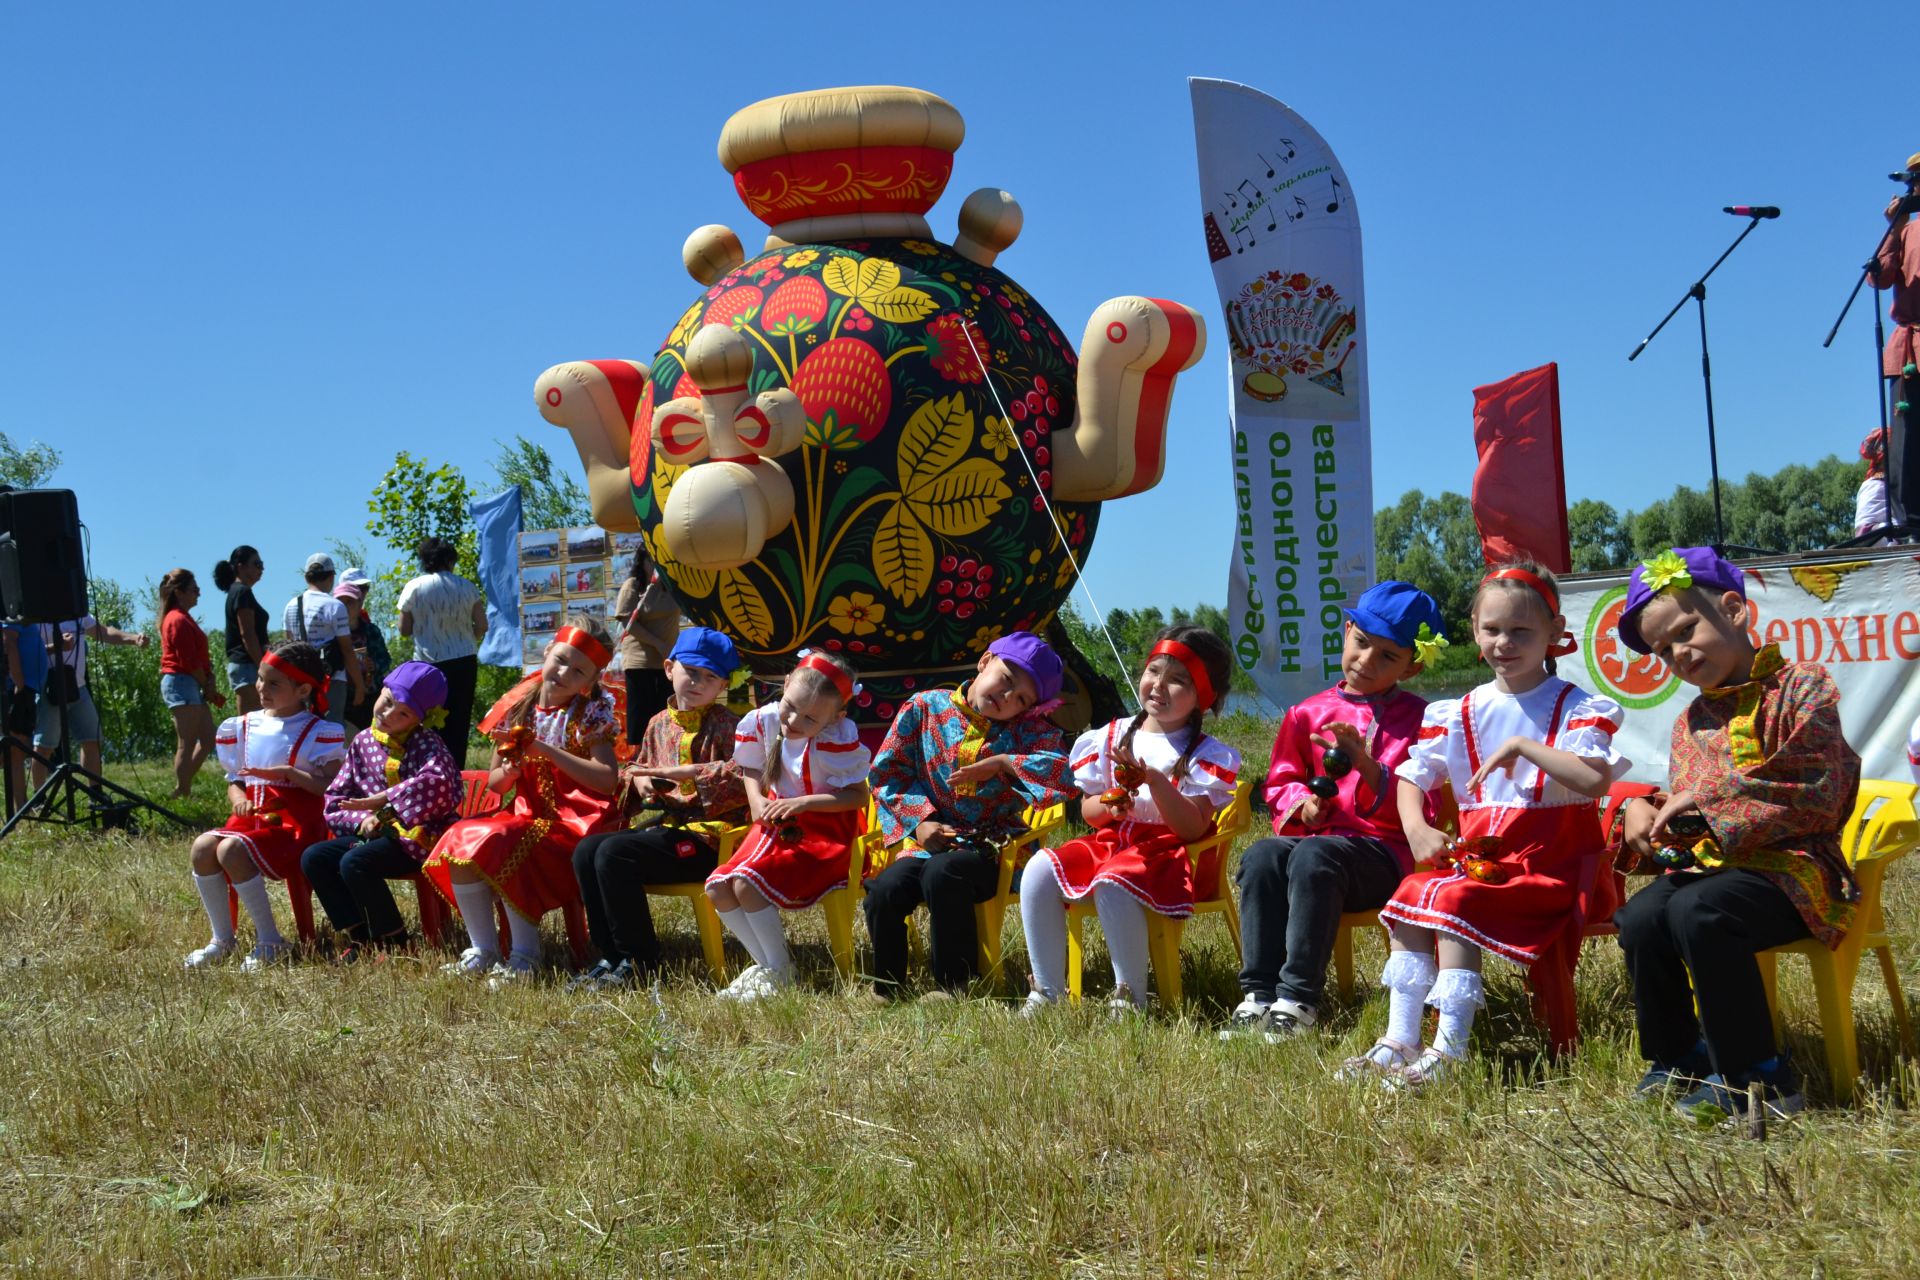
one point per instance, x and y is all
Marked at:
(57, 800)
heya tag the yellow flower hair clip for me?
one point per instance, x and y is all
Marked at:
(1428, 645)
(1666, 570)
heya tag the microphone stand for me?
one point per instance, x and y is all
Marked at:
(1698, 293)
(1889, 530)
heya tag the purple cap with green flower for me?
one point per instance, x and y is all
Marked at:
(1678, 569)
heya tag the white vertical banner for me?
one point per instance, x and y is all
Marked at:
(1283, 235)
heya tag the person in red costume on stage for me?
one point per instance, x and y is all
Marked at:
(1898, 268)
(553, 735)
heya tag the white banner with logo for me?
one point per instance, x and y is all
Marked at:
(1858, 616)
(1284, 238)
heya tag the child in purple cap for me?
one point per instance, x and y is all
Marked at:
(398, 791)
(1337, 845)
(956, 773)
(1761, 781)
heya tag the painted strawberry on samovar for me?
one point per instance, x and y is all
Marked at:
(846, 440)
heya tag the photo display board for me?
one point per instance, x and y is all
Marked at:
(565, 571)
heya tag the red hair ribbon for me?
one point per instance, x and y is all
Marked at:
(590, 649)
(1196, 669)
(834, 675)
(1566, 644)
(295, 674)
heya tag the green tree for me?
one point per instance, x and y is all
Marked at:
(1597, 536)
(29, 467)
(125, 681)
(550, 498)
(1434, 544)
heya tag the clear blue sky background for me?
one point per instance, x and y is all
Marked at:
(253, 250)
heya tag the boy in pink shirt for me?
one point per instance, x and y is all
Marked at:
(1337, 844)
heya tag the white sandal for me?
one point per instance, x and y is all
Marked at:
(1386, 1058)
(1431, 1067)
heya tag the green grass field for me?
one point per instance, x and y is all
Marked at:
(387, 1120)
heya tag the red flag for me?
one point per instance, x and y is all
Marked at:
(1520, 486)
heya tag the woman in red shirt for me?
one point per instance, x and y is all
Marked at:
(186, 678)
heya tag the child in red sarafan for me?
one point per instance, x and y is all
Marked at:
(555, 731)
(279, 761)
(1152, 784)
(1527, 755)
(805, 770)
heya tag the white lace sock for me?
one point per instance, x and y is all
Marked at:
(1124, 921)
(738, 925)
(475, 901)
(1408, 976)
(765, 924)
(213, 897)
(1043, 918)
(523, 934)
(253, 897)
(1457, 993)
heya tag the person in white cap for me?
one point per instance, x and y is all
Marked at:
(318, 619)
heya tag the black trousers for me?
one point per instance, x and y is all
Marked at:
(349, 875)
(1293, 890)
(647, 692)
(614, 869)
(1903, 450)
(1709, 925)
(462, 675)
(949, 883)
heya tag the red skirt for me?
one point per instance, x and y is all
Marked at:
(1145, 858)
(525, 853)
(287, 821)
(1553, 856)
(799, 874)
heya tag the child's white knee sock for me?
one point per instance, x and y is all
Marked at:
(213, 896)
(1124, 921)
(253, 897)
(523, 934)
(475, 901)
(1043, 917)
(736, 921)
(1456, 994)
(1408, 976)
(765, 924)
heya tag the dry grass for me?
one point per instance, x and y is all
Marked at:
(386, 1120)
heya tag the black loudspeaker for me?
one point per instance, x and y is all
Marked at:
(43, 577)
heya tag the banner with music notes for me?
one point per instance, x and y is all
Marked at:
(1283, 235)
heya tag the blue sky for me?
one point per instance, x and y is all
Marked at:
(251, 251)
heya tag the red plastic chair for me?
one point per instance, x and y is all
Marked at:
(1551, 977)
(476, 801)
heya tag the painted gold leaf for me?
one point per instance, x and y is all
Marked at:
(901, 306)
(961, 499)
(934, 439)
(902, 554)
(745, 608)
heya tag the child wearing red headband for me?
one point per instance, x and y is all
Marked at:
(279, 761)
(1152, 784)
(554, 735)
(1527, 755)
(805, 770)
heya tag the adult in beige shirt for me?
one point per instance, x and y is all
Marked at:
(649, 622)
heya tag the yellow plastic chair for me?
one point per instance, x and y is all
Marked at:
(1343, 947)
(838, 907)
(1164, 932)
(705, 918)
(990, 917)
(1881, 829)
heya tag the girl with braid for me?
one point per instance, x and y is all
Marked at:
(1152, 784)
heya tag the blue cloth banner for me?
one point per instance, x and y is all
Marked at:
(497, 520)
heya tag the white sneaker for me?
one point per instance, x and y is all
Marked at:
(1037, 1003)
(747, 977)
(1248, 1018)
(515, 968)
(473, 963)
(267, 953)
(211, 954)
(1287, 1019)
(767, 984)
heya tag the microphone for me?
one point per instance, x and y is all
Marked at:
(1753, 210)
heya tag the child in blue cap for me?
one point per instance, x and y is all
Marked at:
(1759, 761)
(956, 773)
(684, 769)
(1337, 845)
